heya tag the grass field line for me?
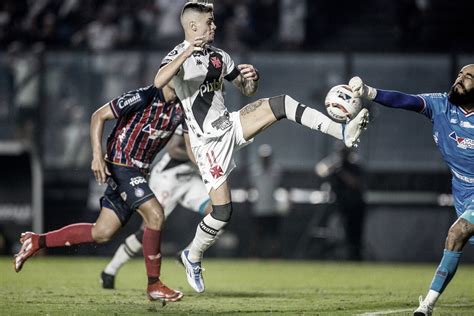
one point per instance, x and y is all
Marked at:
(386, 312)
(395, 311)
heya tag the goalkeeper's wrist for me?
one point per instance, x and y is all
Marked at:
(371, 92)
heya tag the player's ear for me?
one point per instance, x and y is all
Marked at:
(193, 26)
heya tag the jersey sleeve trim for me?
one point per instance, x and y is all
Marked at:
(232, 75)
(112, 107)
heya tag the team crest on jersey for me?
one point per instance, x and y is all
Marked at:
(464, 143)
(216, 62)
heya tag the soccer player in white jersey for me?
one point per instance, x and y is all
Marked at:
(174, 180)
(452, 115)
(196, 71)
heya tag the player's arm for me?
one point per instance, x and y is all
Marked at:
(169, 70)
(188, 148)
(98, 166)
(393, 99)
(177, 148)
(247, 80)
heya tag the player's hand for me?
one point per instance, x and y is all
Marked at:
(361, 90)
(196, 45)
(248, 72)
(100, 170)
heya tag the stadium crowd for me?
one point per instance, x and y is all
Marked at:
(405, 25)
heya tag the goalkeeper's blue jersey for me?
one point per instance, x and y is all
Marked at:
(453, 133)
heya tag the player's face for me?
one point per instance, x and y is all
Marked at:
(205, 26)
(462, 91)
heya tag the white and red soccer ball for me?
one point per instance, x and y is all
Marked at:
(341, 104)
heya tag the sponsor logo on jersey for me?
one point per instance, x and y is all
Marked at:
(123, 102)
(155, 133)
(462, 142)
(436, 138)
(466, 124)
(433, 95)
(222, 122)
(123, 195)
(215, 85)
(136, 181)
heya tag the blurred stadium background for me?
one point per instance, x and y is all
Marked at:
(61, 60)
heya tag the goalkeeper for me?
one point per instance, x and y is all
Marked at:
(452, 115)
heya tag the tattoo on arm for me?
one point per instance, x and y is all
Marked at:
(249, 108)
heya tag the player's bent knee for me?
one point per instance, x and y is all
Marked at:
(102, 235)
(277, 105)
(222, 212)
(457, 235)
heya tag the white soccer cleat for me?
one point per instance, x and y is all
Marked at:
(352, 130)
(193, 272)
(424, 309)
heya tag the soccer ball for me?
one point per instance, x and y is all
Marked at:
(341, 104)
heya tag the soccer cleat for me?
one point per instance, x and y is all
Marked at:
(107, 280)
(193, 272)
(424, 309)
(352, 130)
(160, 292)
(29, 246)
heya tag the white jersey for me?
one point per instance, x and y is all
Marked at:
(199, 86)
(178, 182)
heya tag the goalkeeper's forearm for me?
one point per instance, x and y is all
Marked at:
(396, 99)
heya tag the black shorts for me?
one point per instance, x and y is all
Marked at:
(127, 189)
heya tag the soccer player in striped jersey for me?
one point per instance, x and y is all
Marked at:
(452, 115)
(196, 71)
(145, 121)
(174, 180)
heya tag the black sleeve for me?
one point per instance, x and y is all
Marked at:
(233, 74)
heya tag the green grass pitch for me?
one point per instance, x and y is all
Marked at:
(70, 286)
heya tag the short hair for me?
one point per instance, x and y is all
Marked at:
(198, 6)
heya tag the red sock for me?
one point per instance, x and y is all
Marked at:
(151, 251)
(69, 235)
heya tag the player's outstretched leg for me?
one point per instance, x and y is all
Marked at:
(193, 272)
(127, 250)
(29, 246)
(258, 115)
(353, 129)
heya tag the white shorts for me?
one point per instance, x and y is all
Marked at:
(180, 184)
(214, 157)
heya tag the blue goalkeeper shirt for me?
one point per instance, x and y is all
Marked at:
(453, 133)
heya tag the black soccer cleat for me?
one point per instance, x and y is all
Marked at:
(107, 280)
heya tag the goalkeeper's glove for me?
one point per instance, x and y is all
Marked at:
(361, 90)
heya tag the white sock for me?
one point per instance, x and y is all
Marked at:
(128, 249)
(207, 233)
(309, 117)
(431, 297)
(217, 237)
